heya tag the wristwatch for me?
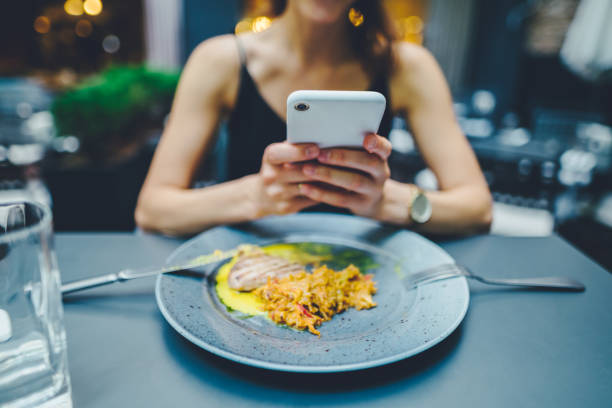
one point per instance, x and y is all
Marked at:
(420, 207)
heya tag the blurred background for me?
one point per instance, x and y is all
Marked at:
(86, 85)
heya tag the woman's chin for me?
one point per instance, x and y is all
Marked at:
(323, 11)
(323, 20)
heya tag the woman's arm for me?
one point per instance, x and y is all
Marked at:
(166, 204)
(418, 88)
(205, 93)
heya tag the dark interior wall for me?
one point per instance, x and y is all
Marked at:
(547, 83)
(16, 39)
(496, 56)
(522, 82)
(207, 18)
(23, 51)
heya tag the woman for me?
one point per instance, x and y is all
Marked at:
(311, 45)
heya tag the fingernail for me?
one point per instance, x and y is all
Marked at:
(372, 144)
(312, 151)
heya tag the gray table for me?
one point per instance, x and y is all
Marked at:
(514, 348)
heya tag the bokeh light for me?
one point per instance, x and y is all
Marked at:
(74, 7)
(111, 44)
(411, 29)
(83, 28)
(243, 26)
(356, 17)
(413, 38)
(92, 7)
(260, 24)
(42, 24)
(413, 25)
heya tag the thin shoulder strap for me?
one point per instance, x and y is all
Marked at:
(241, 51)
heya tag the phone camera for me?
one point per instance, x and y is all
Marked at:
(301, 107)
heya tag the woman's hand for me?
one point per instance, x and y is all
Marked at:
(355, 177)
(276, 190)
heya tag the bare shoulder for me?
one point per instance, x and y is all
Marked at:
(416, 75)
(261, 51)
(412, 59)
(213, 67)
(221, 49)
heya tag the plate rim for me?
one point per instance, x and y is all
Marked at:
(253, 362)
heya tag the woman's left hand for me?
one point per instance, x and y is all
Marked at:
(352, 179)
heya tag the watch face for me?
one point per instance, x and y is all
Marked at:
(421, 209)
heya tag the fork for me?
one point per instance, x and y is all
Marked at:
(452, 270)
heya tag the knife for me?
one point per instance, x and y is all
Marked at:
(129, 274)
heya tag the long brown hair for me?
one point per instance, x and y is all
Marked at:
(371, 41)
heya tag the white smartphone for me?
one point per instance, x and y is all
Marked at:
(333, 118)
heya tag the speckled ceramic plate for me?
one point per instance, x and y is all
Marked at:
(404, 323)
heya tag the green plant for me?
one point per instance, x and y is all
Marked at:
(113, 108)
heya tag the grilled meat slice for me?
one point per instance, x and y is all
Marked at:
(252, 270)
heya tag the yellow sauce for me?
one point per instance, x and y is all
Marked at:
(245, 302)
(248, 302)
(293, 253)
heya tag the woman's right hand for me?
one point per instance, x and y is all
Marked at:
(276, 186)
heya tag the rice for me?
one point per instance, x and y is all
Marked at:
(306, 300)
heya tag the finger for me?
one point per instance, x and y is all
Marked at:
(279, 191)
(291, 173)
(299, 203)
(286, 173)
(279, 153)
(369, 163)
(378, 145)
(344, 199)
(348, 180)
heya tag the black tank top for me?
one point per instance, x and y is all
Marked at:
(253, 125)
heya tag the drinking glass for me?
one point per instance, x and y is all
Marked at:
(33, 361)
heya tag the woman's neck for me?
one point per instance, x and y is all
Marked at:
(314, 42)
